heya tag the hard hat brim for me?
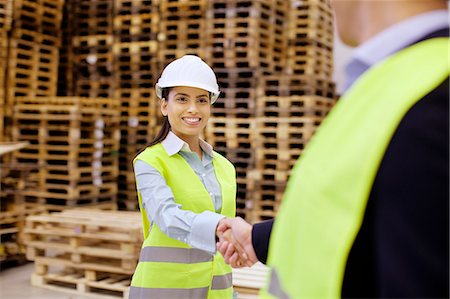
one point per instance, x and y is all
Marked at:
(214, 93)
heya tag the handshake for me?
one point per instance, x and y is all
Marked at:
(235, 242)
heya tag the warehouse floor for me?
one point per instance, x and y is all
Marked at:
(15, 284)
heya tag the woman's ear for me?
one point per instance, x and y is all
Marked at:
(164, 107)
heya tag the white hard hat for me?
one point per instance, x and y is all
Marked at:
(189, 70)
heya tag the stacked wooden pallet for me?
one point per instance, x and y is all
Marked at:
(310, 39)
(182, 29)
(247, 34)
(74, 141)
(291, 105)
(250, 280)
(247, 40)
(33, 51)
(12, 222)
(92, 42)
(65, 84)
(284, 127)
(86, 252)
(5, 24)
(136, 24)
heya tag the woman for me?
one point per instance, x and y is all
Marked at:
(184, 190)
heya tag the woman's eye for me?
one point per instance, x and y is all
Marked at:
(203, 100)
(181, 99)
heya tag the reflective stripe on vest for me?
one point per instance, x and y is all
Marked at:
(137, 292)
(174, 255)
(170, 268)
(326, 196)
(219, 283)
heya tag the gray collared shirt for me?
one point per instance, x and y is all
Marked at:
(196, 230)
(392, 40)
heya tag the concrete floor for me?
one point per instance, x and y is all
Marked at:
(15, 284)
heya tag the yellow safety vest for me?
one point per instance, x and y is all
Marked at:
(326, 196)
(169, 268)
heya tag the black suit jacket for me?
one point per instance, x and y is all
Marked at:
(402, 249)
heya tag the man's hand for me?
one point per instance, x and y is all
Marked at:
(235, 242)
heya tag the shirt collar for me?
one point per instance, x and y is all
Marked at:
(174, 144)
(392, 40)
(401, 35)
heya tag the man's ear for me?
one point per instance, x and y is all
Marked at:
(164, 107)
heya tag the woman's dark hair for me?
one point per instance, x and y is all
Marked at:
(162, 134)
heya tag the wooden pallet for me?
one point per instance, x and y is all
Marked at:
(43, 17)
(280, 157)
(110, 205)
(92, 17)
(267, 197)
(86, 239)
(135, 7)
(249, 280)
(87, 283)
(230, 132)
(12, 222)
(136, 27)
(292, 84)
(238, 107)
(103, 87)
(32, 69)
(6, 13)
(292, 130)
(293, 106)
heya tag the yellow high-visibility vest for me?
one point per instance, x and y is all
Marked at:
(169, 268)
(326, 196)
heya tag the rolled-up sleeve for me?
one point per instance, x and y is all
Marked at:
(196, 230)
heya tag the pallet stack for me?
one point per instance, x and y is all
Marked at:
(92, 43)
(247, 40)
(182, 29)
(84, 252)
(5, 25)
(136, 24)
(248, 281)
(14, 180)
(74, 141)
(12, 223)
(65, 84)
(310, 39)
(291, 105)
(33, 51)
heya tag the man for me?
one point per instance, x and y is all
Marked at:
(366, 210)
